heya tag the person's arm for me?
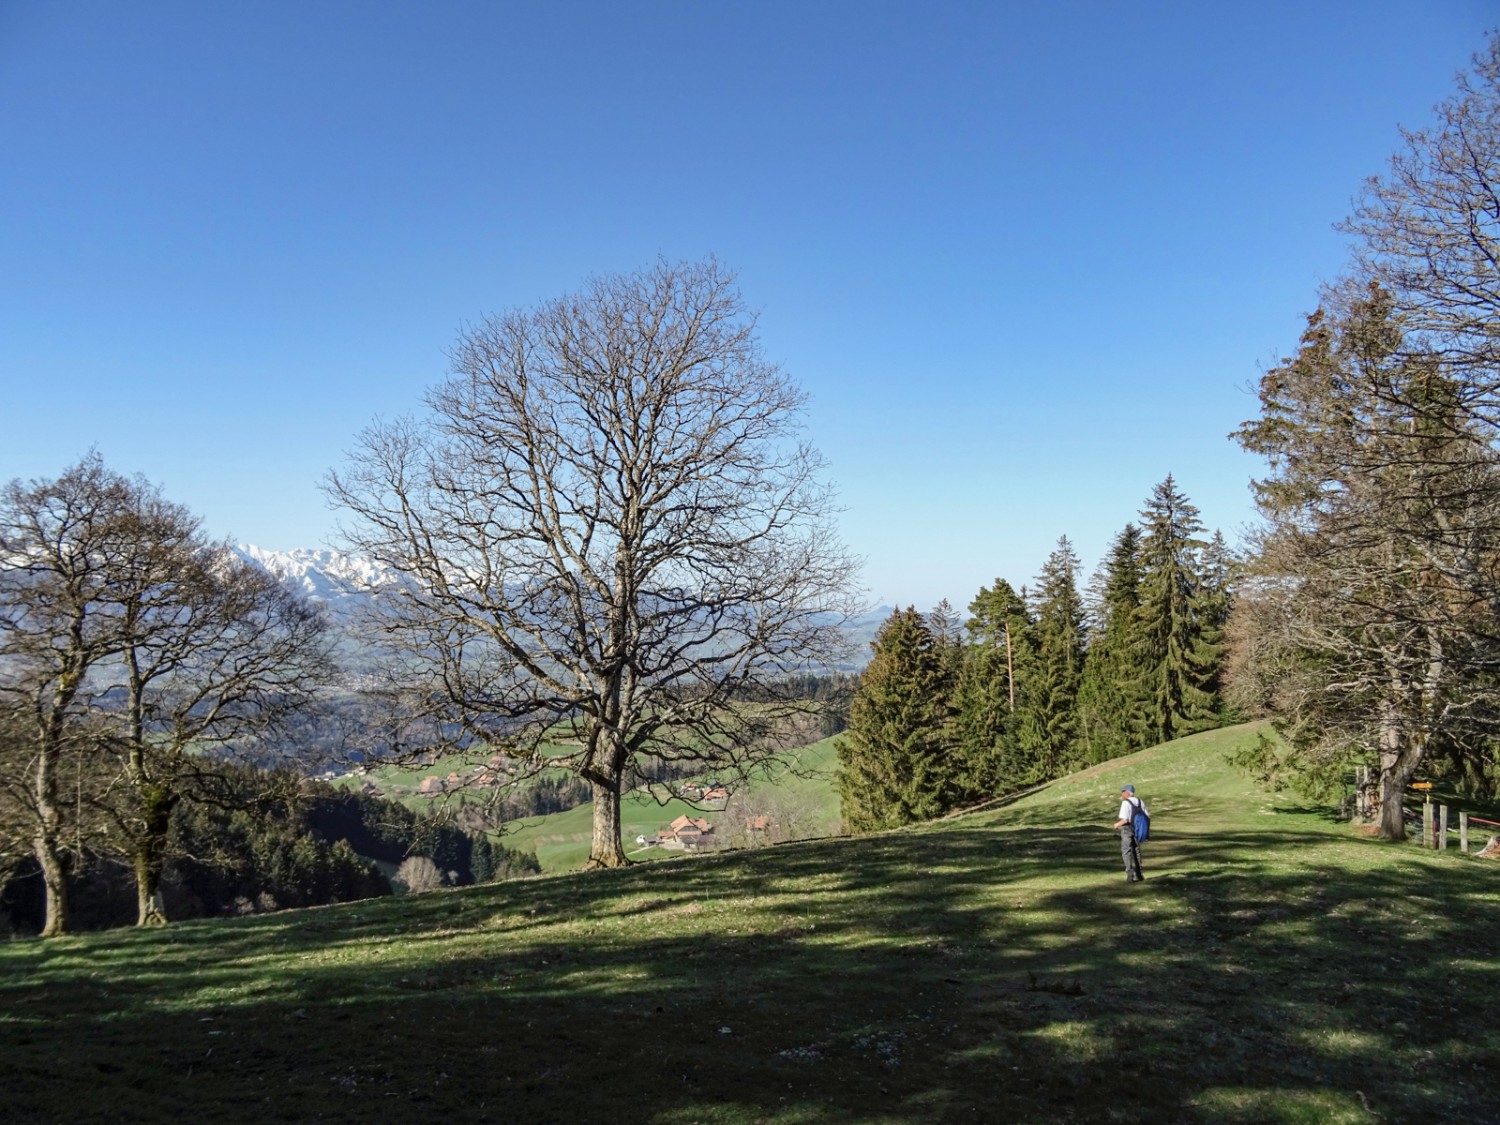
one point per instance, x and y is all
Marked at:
(1124, 820)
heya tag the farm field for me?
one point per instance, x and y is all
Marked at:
(1275, 966)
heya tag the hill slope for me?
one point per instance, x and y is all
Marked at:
(991, 967)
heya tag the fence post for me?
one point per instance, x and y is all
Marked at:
(1442, 840)
(1463, 831)
(1427, 840)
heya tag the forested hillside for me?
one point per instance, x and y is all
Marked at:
(1045, 680)
(272, 841)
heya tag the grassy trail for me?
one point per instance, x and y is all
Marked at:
(991, 967)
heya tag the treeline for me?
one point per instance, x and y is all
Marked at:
(543, 795)
(267, 841)
(1045, 679)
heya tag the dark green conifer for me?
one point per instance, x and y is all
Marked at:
(1110, 695)
(896, 761)
(947, 631)
(1176, 647)
(996, 658)
(1048, 728)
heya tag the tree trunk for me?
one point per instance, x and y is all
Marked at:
(1399, 759)
(44, 844)
(55, 880)
(605, 850)
(150, 858)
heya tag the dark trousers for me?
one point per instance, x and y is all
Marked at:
(1130, 852)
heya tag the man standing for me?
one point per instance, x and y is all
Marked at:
(1130, 851)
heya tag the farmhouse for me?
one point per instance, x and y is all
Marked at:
(686, 833)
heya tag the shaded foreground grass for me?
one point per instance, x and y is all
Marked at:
(994, 967)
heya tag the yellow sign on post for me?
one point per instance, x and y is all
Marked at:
(1420, 785)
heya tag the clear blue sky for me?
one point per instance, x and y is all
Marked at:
(1027, 258)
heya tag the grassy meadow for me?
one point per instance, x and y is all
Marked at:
(1274, 967)
(803, 777)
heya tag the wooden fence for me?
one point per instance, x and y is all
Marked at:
(1436, 830)
(1436, 827)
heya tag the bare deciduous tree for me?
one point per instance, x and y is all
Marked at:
(132, 647)
(1429, 231)
(607, 525)
(59, 543)
(417, 875)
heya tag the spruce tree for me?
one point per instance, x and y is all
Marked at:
(1111, 692)
(896, 761)
(1220, 572)
(996, 659)
(1176, 647)
(1048, 728)
(947, 631)
(1370, 632)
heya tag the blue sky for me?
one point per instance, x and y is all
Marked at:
(1026, 258)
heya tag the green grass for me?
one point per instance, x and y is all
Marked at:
(1274, 967)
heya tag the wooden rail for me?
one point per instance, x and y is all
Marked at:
(1435, 828)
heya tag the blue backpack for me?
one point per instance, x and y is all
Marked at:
(1140, 823)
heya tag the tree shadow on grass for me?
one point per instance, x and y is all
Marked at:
(956, 973)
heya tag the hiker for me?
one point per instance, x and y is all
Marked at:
(1130, 850)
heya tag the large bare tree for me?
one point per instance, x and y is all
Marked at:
(60, 542)
(131, 648)
(609, 530)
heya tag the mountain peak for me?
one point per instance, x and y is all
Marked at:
(323, 574)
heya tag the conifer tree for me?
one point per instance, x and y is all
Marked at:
(1176, 647)
(1220, 570)
(1372, 628)
(947, 631)
(1048, 728)
(997, 656)
(1110, 694)
(896, 761)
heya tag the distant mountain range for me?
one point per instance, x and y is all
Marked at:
(342, 582)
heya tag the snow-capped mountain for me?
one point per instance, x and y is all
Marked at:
(330, 577)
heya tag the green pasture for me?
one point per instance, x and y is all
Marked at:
(561, 840)
(1274, 967)
(400, 783)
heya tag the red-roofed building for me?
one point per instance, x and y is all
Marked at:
(686, 832)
